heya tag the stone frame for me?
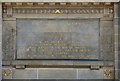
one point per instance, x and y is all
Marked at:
(12, 62)
(106, 16)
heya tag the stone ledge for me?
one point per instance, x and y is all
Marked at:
(59, 0)
(53, 62)
(60, 80)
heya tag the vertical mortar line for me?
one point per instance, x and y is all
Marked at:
(77, 73)
(0, 41)
(37, 73)
(116, 39)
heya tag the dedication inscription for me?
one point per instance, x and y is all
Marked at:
(57, 39)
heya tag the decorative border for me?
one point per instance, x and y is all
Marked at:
(59, 11)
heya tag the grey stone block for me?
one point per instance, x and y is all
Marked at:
(24, 74)
(106, 23)
(90, 74)
(116, 20)
(57, 73)
(118, 55)
(116, 30)
(119, 73)
(119, 39)
(119, 47)
(118, 64)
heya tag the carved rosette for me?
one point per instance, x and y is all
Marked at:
(7, 74)
(108, 73)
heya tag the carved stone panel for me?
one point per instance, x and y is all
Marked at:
(9, 40)
(106, 39)
(58, 39)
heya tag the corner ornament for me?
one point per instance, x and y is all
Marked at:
(7, 72)
(107, 73)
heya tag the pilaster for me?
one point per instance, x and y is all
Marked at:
(0, 41)
(116, 39)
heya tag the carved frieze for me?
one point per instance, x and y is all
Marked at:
(61, 11)
(52, 7)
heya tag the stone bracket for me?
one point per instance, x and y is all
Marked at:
(20, 66)
(9, 11)
(95, 67)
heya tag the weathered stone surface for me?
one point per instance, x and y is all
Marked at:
(55, 73)
(24, 74)
(106, 39)
(118, 64)
(9, 40)
(119, 73)
(50, 62)
(116, 26)
(90, 74)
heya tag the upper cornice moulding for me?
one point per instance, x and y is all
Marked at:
(59, 0)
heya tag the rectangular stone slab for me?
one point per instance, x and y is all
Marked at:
(57, 39)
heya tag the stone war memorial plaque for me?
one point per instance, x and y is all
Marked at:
(57, 39)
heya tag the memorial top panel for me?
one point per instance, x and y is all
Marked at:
(59, 0)
(58, 39)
